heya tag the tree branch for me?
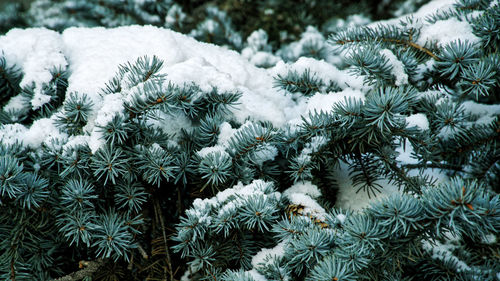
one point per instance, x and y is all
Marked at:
(88, 268)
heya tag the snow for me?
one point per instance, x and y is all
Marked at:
(341, 217)
(226, 132)
(74, 141)
(94, 54)
(305, 187)
(444, 251)
(269, 254)
(257, 41)
(321, 69)
(175, 16)
(489, 239)
(419, 120)
(212, 149)
(10, 133)
(37, 51)
(446, 31)
(42, 129)
(229, 200)
(311, 207)
(17, 105)
(487, 112)
(405, 153)
(111, 105)
(348, 198)
(434, 6)
(265, 153)
(398, 69)
(256, 275)
(322, 102)
(39, 99)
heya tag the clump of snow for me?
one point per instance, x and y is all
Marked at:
(443, 32)
(434, 6)
(444, 251)
(398, 69)
(41, 130)
(325, 102)
(406, 153)
(257, 41)
(11, 133)
(489, 239)
(212, 149)
(74, 141)
(341, 217)
(256, 275)
(311, 207)
(487, 112)
(419, 120)
(349, 198)
(175, 16)
(226, 132)
(265, 153)
(264, 256)
(234, 196)
(322, 70)
(37, 51)
(16, 106)
(305, 187)
(39, 99)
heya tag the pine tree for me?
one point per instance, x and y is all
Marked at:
(123, 200)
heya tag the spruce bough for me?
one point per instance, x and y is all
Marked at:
(115, 207)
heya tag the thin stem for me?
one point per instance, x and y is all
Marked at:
(162, 224)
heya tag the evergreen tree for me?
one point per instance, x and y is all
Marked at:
(111, 191)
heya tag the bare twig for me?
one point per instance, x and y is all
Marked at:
(87, 269)
(162, 224)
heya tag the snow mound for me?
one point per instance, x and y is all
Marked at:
(93, 55)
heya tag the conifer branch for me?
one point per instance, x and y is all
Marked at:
(88, 268)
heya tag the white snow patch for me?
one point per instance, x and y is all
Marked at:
(322, 70)
(446, 31)
(276, 252)
(226, 132)
(489, 239)
(341, 217)
(398, 69)
(434, 6)
(405, 153)
(311, 207)
(442, 251)
(265, 153)
(212, 149)
(15, 103)
(325, 102)
(36, 51)
(12, 133)
(348, 198)
(419, 120)
(305, 187)
(39, 100)
(256, 275)
(41, 130)
(74, 141)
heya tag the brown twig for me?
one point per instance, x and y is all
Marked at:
(162, 224)
(413, 45)
(88, 268)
